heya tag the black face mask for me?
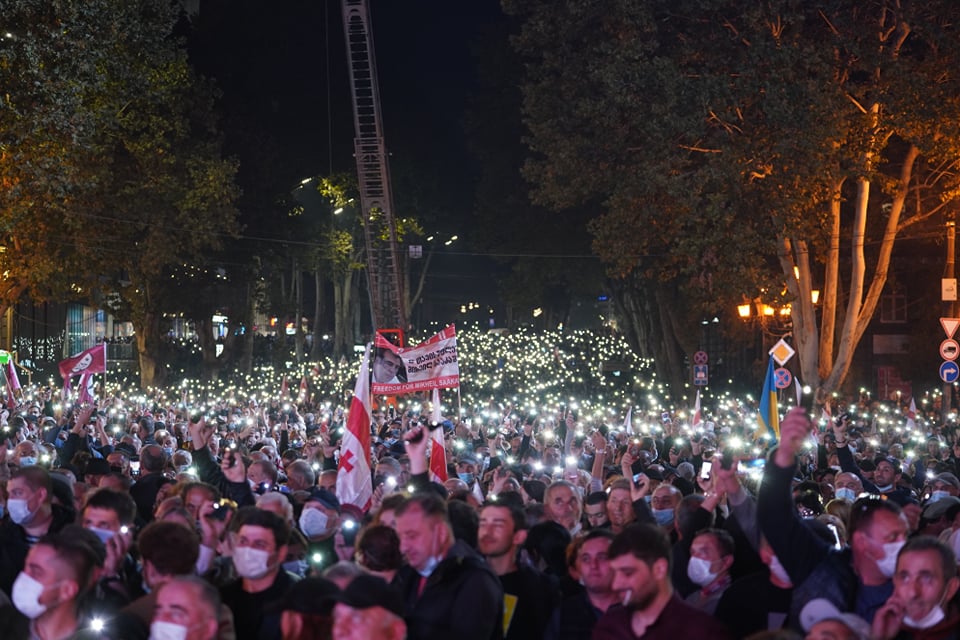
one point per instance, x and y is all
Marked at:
(116, 469)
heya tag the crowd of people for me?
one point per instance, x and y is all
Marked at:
(145, 519)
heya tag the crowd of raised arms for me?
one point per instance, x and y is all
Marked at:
(147, 519)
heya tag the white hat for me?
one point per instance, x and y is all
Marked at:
(821, 609)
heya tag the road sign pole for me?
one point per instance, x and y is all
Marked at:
(950, 307)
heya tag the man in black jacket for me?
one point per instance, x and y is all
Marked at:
(448, 590)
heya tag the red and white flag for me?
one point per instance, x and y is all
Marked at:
(697, 418)
(93, 360)
(912, 415)
(86, 392)
(284, 390)
(628, 422)
(13, 381)
(354, 482)
(438, 454)
(304, 389)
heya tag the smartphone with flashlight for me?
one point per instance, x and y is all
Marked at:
(705, 470)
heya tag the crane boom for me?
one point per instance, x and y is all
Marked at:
(384, 277)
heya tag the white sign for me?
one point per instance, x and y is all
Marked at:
(948, 289)
(950, 326)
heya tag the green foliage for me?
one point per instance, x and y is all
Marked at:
(110, 163)
(714, 133)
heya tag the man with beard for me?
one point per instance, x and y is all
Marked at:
(529, 596)
(640, 558)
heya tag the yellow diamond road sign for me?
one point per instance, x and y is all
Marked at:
(782, 352)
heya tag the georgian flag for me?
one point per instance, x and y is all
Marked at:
(354, 481)
(697, 418)
(438, 454)
(912, 416)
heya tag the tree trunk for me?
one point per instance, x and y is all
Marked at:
(649, 328)
(208, 348)
(149, 348)
(342, 291)
(318, 321)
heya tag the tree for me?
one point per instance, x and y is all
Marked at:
(111, 154)
(725, 140)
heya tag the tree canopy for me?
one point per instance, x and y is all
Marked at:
(109, 155)
(736, 151)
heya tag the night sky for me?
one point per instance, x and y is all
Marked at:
(272, 69)
(271, 66)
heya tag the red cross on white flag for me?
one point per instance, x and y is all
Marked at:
(354, 484)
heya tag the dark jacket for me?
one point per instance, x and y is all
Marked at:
(14, 545)
(816, 569)
(209, 471)
(898, 494)
(461, 600)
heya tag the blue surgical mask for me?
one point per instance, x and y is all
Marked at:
(168, 450)
(430, 567)
(103, 534)
(845, 494)
(937, 495)
(28, 461)
(664, 517)
(296, 567)
(466, 477)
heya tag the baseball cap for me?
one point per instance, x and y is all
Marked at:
(821, 609)
(313, 596)
(936, 510)
(948, 478)
(367, 591)
(325, 498)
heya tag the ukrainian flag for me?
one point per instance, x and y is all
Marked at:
(768, 418)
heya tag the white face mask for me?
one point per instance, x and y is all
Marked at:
(932, 619)
(250, 562)
(777, 570)
(314, 522)
(888, 563)
(885, 488)
(160, 630)
(698, 570)
(19, 510)
(26, 596)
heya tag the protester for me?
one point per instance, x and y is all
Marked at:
(307, 610)
(448, 590)
(855, 579)
(576, 616)
(640, 558)
(369, 609)
(923, 588)
(259, 548)
(58, 572)
(188, 608)
(529, 596)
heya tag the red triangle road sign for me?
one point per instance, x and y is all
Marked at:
(950, 326)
